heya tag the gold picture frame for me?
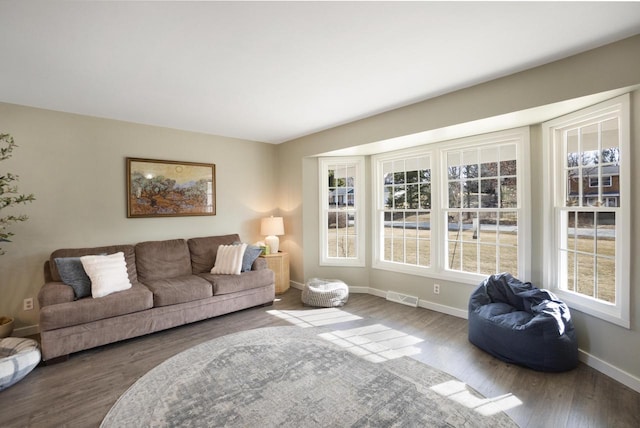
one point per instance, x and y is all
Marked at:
(161, 188)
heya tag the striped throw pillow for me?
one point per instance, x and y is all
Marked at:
(108, 273)
(229, 259)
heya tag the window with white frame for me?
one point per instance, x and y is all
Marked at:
(454, 209)
(342, 211)
(587, 156)
(406, 210)
(482, 208)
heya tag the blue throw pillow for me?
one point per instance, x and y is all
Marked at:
(73, 274)
(250, 255)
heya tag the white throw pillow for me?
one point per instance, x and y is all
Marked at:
(229, 259)
(108, 273)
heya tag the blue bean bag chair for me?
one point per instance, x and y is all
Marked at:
(521, 324)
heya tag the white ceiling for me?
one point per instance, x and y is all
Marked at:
(275, 71)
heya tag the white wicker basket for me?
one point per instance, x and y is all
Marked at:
(325, 293)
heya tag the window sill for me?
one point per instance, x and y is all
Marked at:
(451, 276)
(605, 311)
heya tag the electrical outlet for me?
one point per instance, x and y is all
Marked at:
(436, 288)
(27, 304)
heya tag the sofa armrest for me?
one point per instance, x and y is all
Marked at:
(259, 264)
(53, 293)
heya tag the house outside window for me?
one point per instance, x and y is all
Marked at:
(342, 211)
(588, 209)
(594, 181)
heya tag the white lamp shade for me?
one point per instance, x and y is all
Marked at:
(271, 227)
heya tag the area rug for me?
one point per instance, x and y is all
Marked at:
(290, 377)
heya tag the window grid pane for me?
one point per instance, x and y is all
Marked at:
(593, 164)
(406, 185)
(341, 211)
(591, 172)
(482, 200)
(589, 250)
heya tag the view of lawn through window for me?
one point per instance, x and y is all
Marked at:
(453, 206)
(588, 216)
(341, 209)
(407, 210)
(342, 219)
(482, 209)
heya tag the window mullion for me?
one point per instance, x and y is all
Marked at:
(599, 163)
(595, 251)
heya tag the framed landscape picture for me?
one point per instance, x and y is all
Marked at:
(160, 188)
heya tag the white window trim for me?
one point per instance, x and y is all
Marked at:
(437, 269)
(360, 189)
(618, 313)
(377, 216)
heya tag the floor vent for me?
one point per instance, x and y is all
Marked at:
(404, 299)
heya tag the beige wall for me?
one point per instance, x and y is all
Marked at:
(75, 166)
(604, 69)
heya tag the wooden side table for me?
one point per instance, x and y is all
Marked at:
(279, 263)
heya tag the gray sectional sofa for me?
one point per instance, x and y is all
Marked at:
(171, 286)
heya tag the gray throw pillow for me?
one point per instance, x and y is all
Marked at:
(73, 274)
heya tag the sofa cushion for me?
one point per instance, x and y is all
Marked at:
(82, 311)
(108, 273)
(171, 291)
(226, 284)
(204, 250)
(129, 256)
(162, 259)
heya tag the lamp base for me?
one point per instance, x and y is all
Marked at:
(273, 242)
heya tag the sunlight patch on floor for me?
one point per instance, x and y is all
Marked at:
(315, 317)
(375, 343)
(458, 392)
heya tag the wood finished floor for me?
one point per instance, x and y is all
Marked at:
(80, 391)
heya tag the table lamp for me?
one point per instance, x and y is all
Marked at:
(272, 227)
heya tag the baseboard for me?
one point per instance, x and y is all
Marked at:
(613, 372)
(421, 303)
(29, 330)
(296, 285)
(449, 310)
(368, 290)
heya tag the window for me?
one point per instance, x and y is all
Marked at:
(595, 181)
(407, 210)
(587, 156)
(482, 209)
(453, 209)
(341, 205)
